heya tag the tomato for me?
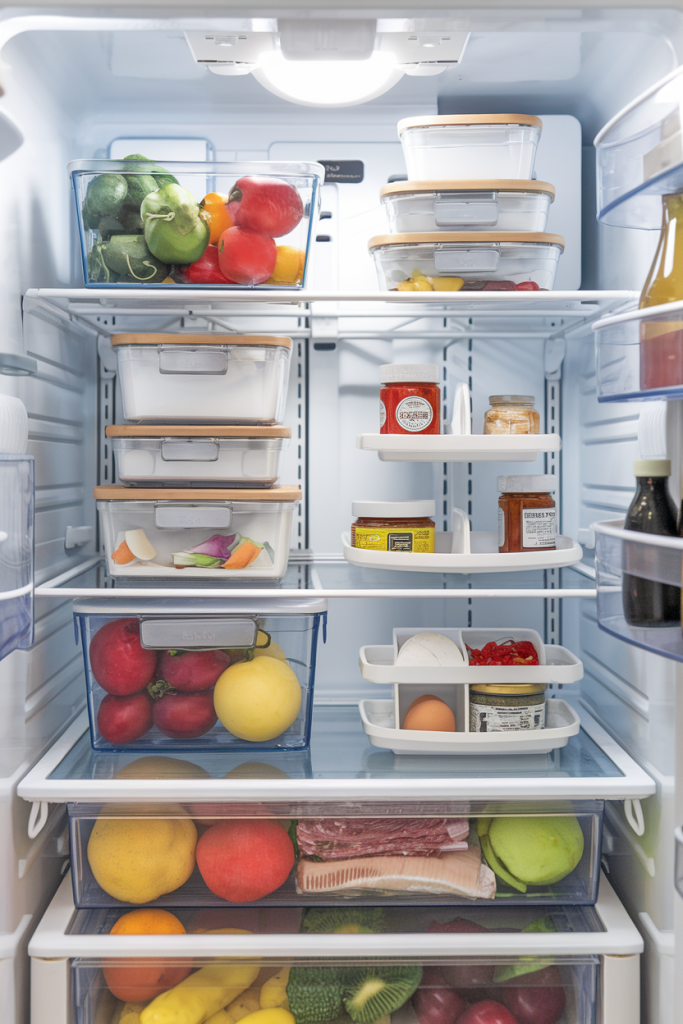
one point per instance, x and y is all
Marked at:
(488, 1011)
(124, 719)
(269, 205)
(246, 256)
(537, 998)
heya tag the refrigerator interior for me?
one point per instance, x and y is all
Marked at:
(109, 84)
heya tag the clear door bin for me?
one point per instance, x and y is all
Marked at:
(186, 456)
(195, 537)
(423, 206)
(648, 559)
(202, 378)
(466, 261)
(188, 663)
(456, 146)
(639, 354)
(239, 225)
(16, 552)
(479, 852)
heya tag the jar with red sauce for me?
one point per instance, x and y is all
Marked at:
(409, 399)
(526, 513)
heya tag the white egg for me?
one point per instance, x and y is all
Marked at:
(429, 649)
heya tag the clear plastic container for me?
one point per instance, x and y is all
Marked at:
(188, 646)
(16, 552)
(149, 537)
(453, 147)
(119, 250)
(639, 347)
(470, 205)
(344, 854)
(202, 378)
(186, 456)
(466, 261)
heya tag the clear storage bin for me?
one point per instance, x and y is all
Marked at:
(451, 147)
(469, 854)
(424, 206)
(186, 456)
(16, 552)
(180, 647)
(202, 378)
(466, 261)
(639, 354)
(125, 219)
(147, 536)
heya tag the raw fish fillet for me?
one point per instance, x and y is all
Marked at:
(447, 874)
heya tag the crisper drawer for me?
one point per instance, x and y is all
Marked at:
(207, 855)
(502, 965)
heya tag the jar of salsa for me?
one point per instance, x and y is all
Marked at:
(526, 513)
(409, 399)
(393, 525)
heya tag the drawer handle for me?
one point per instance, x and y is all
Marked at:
(193, 361)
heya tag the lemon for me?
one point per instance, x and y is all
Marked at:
(289, 265)
(257, 700)
(138, 859)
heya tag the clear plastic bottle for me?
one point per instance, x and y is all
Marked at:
(661, 341)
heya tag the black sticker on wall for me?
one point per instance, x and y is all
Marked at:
(348, 171)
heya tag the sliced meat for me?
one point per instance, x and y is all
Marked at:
(447, 874)
(341, 838)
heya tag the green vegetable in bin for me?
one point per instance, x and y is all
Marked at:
(104, 198)
(160, 174)
(176, 230)
(124, 259)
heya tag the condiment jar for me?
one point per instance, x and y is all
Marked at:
(526, 513)
(512, 414)
(393, 525)
(409, 399)
(496, 707)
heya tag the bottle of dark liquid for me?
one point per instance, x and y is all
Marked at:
(648, 602)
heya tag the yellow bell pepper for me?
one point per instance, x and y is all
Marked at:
(216, 210)
(274, 991)
(201, 994)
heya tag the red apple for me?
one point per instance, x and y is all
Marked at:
(434, 1002)
(246, 256)
(118, 661)
(245, 860)
(269, 205)
(488, 1011)
(124, 719)
(470, 979)
(537, 998)
(184, 716)
(189, 671)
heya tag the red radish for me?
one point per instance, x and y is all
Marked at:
(184, 716)
(124, 719)
(537, 998)
(269, 205)
(434, 1002)
(246, 256)
(245, 860)
(488, 1011)
(189, 671)
(205, 270)
(118, 661)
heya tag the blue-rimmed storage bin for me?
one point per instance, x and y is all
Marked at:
(17, 494)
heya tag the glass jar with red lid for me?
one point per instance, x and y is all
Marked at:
(409, 399)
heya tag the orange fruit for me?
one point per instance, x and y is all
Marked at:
(216, 214)
(137, 981)
(289, 265)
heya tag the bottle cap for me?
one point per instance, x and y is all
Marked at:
(511, 399)
(419, 373)
(527, 484)
(652, 467)
(393, 509)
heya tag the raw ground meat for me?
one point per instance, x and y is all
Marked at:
(343, 838)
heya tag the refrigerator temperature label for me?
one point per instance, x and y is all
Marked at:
(538, 528)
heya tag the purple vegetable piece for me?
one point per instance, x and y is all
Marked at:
(217, 546)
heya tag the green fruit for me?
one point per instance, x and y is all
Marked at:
(496, 865)
(372, 992)
(535, 851)
(175, 229)
(127, 258)
(103, 198)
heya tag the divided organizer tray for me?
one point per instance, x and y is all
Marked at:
(459, 447)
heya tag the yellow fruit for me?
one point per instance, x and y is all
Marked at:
(156, 766)
(273, 650)
(274, 991)
(137, 859)
(257, 700)
(447, 284)
(289, 266)
(406, 286)
(275, 1015)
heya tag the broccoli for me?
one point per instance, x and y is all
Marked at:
(315, 994)
(346, 921)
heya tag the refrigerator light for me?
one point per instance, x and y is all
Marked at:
(328, 83)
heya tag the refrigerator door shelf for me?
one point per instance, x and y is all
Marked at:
(459, 448)
(639, 354)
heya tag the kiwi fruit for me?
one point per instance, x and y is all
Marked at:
(372, 992)
(347, 921)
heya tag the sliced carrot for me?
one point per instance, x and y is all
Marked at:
(243, 555)
(123, 554)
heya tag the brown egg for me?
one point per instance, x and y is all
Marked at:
(425, 696)
(430, 716)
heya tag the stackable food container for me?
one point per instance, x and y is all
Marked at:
(177, 651)
(467, 261)
(195, 536)
(452, 147)
(205, 456)
(202, 378)
(470, 205)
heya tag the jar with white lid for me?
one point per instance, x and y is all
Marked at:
(409, 398)
(526, 513)
(394, 525)
(512, 414)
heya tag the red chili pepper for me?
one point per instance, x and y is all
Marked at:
(205, 270)
(508, 652)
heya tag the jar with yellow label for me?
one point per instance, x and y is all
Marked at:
(502, 707)
(393, 525)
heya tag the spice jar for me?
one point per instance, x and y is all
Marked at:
(496, 707)
(393, 525)
(512, 414)
(409, 399)
(526, 513)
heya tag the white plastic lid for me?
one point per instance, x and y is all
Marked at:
(424, 373)
(511, 399)
(527, 484)
(393, 509)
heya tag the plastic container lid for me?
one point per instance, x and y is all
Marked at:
(397, 188)
(187, 430)
(393, 509)
(482, 237)
(116, 492)
(652, 467)
(510, 400)
(508, 688)
(199, 339)
(527, 484)
(448, 120)
(391, 373)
